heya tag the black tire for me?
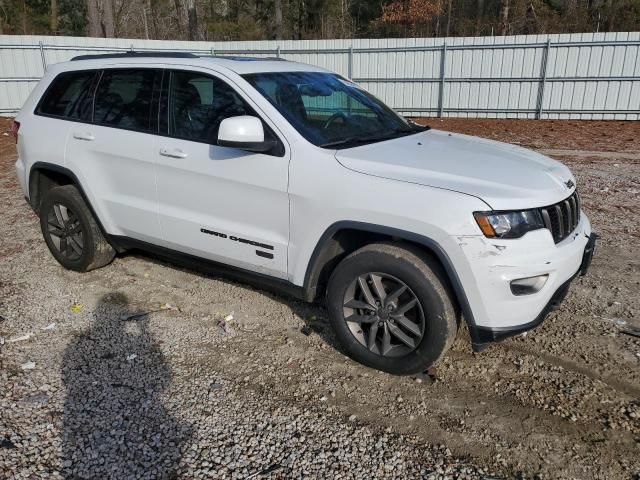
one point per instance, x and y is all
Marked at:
(77, 242)
(434, 313)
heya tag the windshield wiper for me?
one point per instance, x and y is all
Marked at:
(358, 139)
(354, 139)
(418, 127)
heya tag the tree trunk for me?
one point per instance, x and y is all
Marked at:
(531, 25)
(24, 17)
(108, 24)
(146, 22)
(194, 34)
(300, 5)
(479, 15)
(448, 18)
(610, 15)
(278, 18)
(93, 18)
(2, 16)
(53, 24)
(504, 17)
(154, 20)
(180, 15)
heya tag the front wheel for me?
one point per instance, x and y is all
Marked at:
(391, 309)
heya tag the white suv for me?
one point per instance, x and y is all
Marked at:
(294, 176)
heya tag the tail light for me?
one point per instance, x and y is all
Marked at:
(15, 126)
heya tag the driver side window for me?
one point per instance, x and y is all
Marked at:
(197, 105)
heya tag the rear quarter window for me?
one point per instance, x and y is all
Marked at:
(70, 96)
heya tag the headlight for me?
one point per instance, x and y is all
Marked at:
(508, 224)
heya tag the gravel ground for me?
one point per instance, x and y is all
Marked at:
(146, 370)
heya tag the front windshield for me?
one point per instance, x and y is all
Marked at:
(330, 111)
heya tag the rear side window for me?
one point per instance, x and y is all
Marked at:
(124, 99)
(70, 95)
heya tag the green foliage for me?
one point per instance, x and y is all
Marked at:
(241, 29)
(72, 16)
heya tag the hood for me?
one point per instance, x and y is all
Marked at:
(505, 176)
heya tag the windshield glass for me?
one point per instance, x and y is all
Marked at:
(330, 111)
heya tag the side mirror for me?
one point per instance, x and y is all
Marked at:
(245, 133)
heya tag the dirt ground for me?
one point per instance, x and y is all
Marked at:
(561, 402)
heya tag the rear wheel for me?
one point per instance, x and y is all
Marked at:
(391, 309)
(71, 232)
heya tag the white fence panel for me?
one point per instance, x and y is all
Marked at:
(581, 76)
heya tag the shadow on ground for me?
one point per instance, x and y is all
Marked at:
(115, 424)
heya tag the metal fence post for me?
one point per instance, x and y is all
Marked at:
(443, 64)
(350, 63)
(44, 60)
(278, 52)
(543, 79)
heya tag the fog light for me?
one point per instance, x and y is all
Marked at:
(529, 285)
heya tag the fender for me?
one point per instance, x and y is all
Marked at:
(52, 167)
(313, 271)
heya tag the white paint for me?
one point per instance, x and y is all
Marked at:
(428, 184)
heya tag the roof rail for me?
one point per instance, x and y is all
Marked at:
(238, 58)
(136, 55)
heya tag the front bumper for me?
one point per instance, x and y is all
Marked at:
(482, 336)
(486, 267)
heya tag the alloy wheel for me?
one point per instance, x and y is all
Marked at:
(383, 314)
(65, 231)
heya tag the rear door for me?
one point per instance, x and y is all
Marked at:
(66, 101)
(220, 203)
(113, 155)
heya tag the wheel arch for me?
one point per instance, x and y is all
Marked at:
(44, 176)
(344, 237)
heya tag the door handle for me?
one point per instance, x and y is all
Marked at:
(86, 136)
(173, 153)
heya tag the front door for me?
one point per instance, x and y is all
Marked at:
(220, 203)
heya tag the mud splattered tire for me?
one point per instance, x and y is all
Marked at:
(71, 232)
(391, 309)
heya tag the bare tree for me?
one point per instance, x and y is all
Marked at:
(278, 18)
(24, 17)
(53, 24)
(504, 17)
(3, 16)
(448, 18)
(153, 11)
(146, 22)
(479, 15)
(610, 14)
(93, 18)
(108, 24)
(194, 33)
(180, 14)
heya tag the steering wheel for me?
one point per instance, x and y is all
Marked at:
(333, 118)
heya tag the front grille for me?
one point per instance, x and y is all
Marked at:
(562, 218)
